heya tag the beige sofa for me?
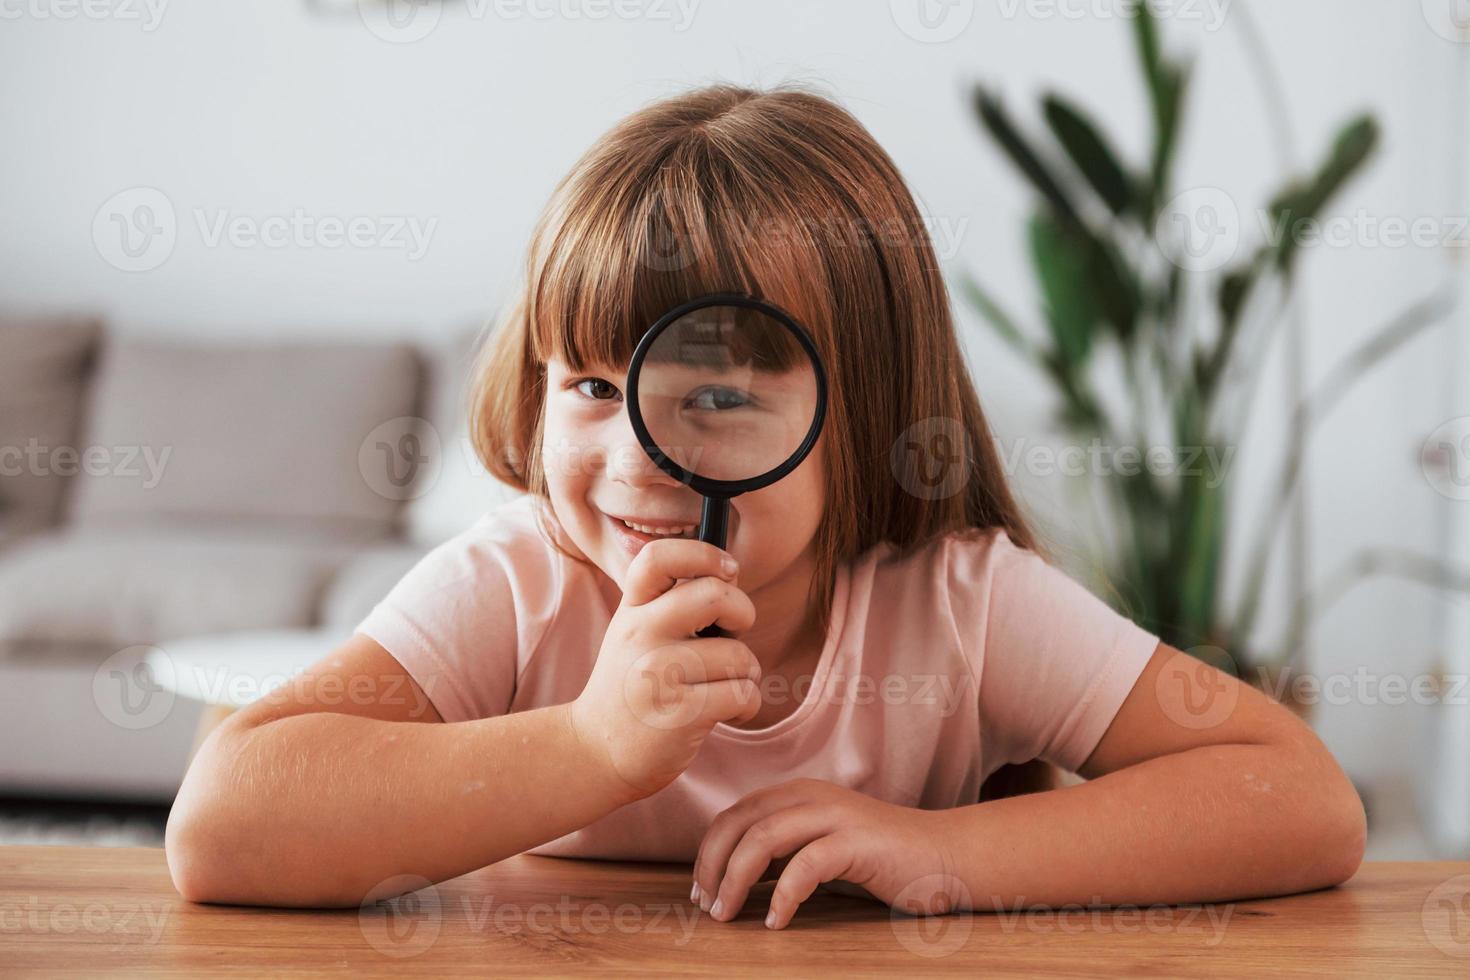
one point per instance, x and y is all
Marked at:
(157, 488)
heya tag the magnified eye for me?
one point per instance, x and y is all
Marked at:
(718, 399)
(596, 388)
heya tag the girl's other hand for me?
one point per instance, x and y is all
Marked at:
(827, 833)
(656, 689)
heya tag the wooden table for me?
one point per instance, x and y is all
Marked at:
(67, 911)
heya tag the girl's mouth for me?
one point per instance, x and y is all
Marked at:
(633, 537)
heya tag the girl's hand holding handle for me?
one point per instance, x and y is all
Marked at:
(656, 689)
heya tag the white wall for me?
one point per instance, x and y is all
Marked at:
(257, 109)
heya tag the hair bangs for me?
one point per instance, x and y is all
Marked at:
(625, 253)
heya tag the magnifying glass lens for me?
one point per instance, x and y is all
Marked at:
(727, 392)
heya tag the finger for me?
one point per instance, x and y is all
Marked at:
(728, 701)
(776, 836)
(824, 859)
(731, 824)
(691, 606)
(660, 564)
(682, 686)
(703, 660)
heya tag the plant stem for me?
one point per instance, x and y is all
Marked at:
(1416, 318)
(1399, 562)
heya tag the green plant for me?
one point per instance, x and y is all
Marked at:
(1098, 246)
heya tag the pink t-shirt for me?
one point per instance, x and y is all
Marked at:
(937, 669)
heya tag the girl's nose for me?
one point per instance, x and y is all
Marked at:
(628, 463)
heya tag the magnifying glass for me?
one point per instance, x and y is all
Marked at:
(726, 394)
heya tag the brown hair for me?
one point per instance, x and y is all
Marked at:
(781, 194)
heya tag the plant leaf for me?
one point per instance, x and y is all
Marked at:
(1302, 200)
(1114, 285)
(1062, 267)
(1166, 86)
(1230, 297)
(1004, 132)
(1095, 160)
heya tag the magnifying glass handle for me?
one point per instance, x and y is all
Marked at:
(714, 522)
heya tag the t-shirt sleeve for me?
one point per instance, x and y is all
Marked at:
(459, 621)
(1053, 661)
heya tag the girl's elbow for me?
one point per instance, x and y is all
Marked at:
(1342, 832)
(202, 838)
(192, 856)
(1355, 841)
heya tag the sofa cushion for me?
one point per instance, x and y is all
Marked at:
(114, 587)
(43, 377)
(237, 430)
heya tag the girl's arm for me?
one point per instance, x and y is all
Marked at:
(350, 782)
(324, 796)
(1202, 789)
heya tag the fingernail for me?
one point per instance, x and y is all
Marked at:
(729, 565)
(718, 908)
(771, 919)
(694, 893)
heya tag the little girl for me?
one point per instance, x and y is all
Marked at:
(893, 635)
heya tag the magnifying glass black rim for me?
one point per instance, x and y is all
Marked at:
(708, 486)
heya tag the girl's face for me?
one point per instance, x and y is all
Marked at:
(597, 473)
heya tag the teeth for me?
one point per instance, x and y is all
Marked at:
(683, 531)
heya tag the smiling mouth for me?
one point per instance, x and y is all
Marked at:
(661, 530)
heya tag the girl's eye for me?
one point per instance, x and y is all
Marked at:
(718, 399)
(596, 388)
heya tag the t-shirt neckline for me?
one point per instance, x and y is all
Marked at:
(814, 696)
